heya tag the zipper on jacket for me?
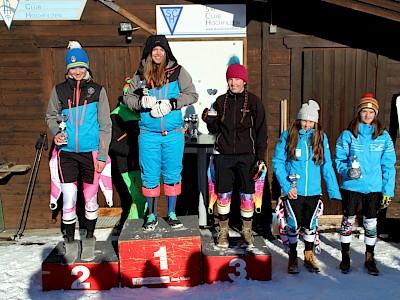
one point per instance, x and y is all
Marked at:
(77, 96)
(234, 124)
(307, 158)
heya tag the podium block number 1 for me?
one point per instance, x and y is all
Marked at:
(162, 254)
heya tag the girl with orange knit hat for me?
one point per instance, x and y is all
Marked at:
(365, 158)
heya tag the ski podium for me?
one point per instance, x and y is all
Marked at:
(186, 256)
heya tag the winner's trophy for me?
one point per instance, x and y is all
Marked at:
(62, 126)
(212, 112)
(186, 126)
(194, 131)
(145, 89)
(355, 170)
(293, 179)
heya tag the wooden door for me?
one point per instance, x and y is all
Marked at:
(336, 77)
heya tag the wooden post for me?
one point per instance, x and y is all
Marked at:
(115, 7)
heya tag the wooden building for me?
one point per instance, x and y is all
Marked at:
(329, 50)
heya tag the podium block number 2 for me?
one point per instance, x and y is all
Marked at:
(79, 283)
(240, 265)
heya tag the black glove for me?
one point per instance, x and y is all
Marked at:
(138, 92)
(174, 103)
(204, 115)
(257, 169)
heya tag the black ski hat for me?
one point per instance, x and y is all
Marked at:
(158, 40)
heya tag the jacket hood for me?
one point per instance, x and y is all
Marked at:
(158, 40)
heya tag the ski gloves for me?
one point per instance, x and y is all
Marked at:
(385, 201)
(159, 108)
(257, 169)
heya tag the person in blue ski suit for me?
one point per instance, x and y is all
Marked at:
(84, 157)
(158, 90)
(365, 158)
(303, 152)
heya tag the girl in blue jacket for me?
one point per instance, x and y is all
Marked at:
(159, 89)
(365, 158)
(301, 153)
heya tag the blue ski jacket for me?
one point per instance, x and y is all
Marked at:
(309, 183)
(377, 160)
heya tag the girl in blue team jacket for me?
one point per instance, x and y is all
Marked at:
(303, 151)
(365, 158)
(84, 157)
(158, 90)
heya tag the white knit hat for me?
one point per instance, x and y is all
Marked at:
(309, 111)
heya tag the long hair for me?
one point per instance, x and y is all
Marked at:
(317, 142)
(155, 72)
(353, 126)
(244, 108)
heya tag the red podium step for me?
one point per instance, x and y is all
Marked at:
(235, 262)
(100, 274)
(160, 258)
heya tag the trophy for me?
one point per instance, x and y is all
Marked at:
(145, 89)
(293, 179)
(62, 126)
(194, 131)
(212, 112)
(186, 126)
(355, 170)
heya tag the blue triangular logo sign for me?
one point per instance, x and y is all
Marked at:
(7, 10)
(171, 15)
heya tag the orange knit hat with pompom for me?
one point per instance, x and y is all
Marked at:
(368, 101)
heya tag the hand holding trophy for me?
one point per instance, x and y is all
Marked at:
(62, 126)
(212, 112)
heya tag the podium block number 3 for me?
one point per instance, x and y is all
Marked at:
(162, 254)
(79, 283)
(240, 265)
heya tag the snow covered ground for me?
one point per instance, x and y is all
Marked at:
(20, 275)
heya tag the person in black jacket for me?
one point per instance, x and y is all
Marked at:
(124, 153)
(240, 126)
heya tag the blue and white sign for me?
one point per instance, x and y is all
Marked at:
(191, 21)
(40, 10)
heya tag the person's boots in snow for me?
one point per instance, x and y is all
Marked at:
(223, 234)
(247, 233)
(293, 266)
(370, 264)
(309, 261)
(345, 263)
